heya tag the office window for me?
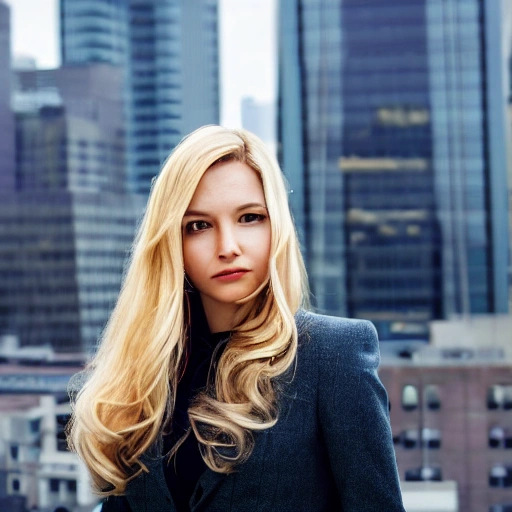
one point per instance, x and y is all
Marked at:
(500, 476)
(496, 437)
(501, 507)
(34, 425)
(62, 442)
(410, 439)
(432, 399)
(410, 397)
(507, 397)
(499, 396)
(15, 452)
(431, 438)
(495, 397)
(423, 474)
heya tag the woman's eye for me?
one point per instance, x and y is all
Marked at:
(197, 225)
(251, 217)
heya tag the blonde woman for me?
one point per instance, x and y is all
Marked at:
(213, 389)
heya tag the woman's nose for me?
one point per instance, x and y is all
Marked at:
(228, 246)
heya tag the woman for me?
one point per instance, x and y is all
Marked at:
(212, 389)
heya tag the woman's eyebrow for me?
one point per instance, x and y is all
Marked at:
(251, 205)
(198, 213)
(193, 213)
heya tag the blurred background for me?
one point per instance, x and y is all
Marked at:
(392, 122)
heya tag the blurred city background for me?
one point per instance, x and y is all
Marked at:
(392, 122)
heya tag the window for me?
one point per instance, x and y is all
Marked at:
(502, 507)
(71, 485)
(410, 397)
(496, 437)
(15, 452)
(34, 425)
(54, 485)
(431, 438)
(410, 439)
(62, 421)
(494, 397)
(507, 397)
(423, 474)
(432, 399)
(499, 397)
(15, 485)
(500, 476)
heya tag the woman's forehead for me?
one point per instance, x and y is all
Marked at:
(229, 182)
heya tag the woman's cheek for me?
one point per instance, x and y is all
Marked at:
(197, 250)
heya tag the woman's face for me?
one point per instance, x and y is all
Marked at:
(226, 238)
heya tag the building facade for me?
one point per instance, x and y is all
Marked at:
(40, 473)
(94, 31)
(68, 225)
(168, 51)
(451, 416)
(393, 135)
(6, 115)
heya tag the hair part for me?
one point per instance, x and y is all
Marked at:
(119, 412)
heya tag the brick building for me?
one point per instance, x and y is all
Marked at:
(451, 416)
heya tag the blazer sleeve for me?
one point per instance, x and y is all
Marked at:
(354, 418)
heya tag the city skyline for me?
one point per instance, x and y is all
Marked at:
(392, 168)
(247, 47)
(90, 136)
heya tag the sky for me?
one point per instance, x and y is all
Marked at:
(34, 30)
(247, 47)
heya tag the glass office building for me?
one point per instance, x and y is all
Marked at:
(67, 226)
(393, 132)
(169, 53)
(173, 77)
(6, 116)
(94, 31)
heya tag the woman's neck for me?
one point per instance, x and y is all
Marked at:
(220, 317)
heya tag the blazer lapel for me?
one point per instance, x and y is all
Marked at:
(206, 486)
(148, 492)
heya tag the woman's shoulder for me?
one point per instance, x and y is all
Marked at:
(324, 326)
(330, 336)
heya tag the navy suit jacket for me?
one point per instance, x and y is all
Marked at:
(331, 448)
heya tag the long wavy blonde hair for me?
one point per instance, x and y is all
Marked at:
(122, 407)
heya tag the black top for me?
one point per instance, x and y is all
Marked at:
(183, 470)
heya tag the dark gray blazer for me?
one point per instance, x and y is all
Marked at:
(330, 450)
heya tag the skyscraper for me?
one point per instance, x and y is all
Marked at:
(393, 132)
(169, 53)
(94, 31)
(6, 116)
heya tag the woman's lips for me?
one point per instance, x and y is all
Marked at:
(230, 275)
